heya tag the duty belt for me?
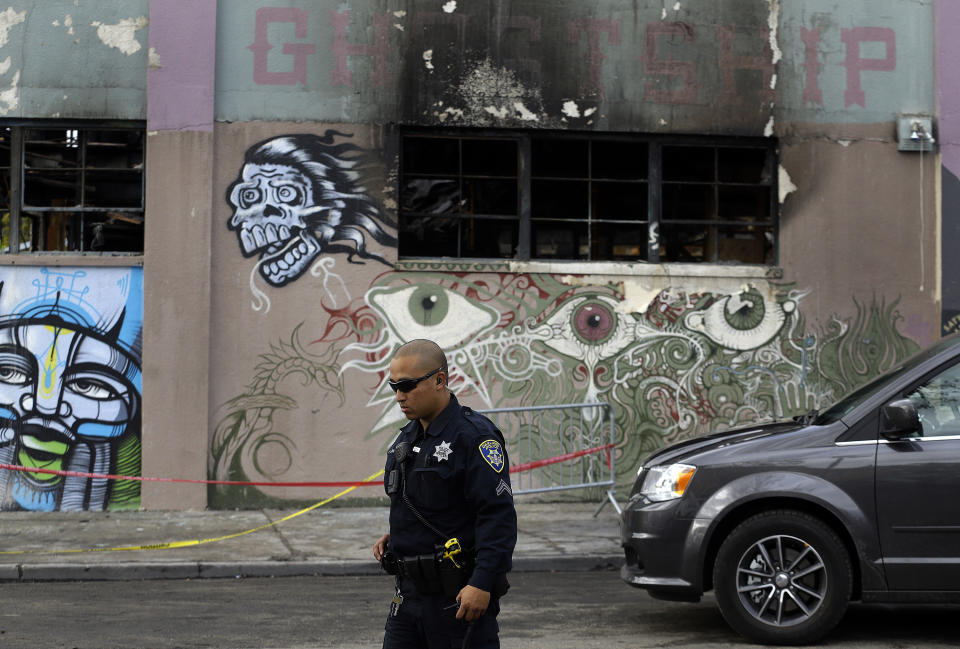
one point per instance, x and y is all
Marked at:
(432, 574)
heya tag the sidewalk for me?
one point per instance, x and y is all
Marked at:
(325, 541)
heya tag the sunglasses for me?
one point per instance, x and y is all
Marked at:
(405, 385)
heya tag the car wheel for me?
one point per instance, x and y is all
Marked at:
(782, 577)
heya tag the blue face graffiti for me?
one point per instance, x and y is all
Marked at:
(70, 384)
(299, 196)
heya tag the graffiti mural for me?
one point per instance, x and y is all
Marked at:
(691, 362)
(70, 386)
(299, 198)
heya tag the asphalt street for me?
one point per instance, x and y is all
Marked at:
(563, 610)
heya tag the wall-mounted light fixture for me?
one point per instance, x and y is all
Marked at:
(915, 133)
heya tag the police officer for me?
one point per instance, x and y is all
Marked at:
(453, 525)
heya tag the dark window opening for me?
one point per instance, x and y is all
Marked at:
(578, 197)
(71, 188)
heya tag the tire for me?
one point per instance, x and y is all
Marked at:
(782, 577)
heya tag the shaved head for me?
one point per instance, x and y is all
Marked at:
(428, 354)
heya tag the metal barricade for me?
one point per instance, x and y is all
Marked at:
(559, 447)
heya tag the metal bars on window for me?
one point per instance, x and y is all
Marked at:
(566, 196)
(75, 187)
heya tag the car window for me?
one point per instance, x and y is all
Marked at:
(938, 403)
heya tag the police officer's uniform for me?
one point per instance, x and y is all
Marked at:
(457, 479)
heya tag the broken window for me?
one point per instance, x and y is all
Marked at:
(550, 196)
(71, 188)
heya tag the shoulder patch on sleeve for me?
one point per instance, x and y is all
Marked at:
(492, 454)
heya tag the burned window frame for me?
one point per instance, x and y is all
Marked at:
(77, 226)
(760, 234)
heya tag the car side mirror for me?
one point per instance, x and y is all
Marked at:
(899, 419)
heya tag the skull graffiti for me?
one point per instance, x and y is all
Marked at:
(298, 196)
(273, 210)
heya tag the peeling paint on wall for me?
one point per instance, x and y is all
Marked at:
(10, 98)
(785, 184)
(450, 7)
(8, 20)
(493, 95)
(121, 35)
(570, 109)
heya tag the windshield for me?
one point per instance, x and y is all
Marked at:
(864, 392)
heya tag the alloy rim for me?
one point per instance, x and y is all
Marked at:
(781, 580)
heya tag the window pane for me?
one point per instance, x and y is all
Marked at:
(53, 231)
(620, 160)
(113, 189)
(743, 165)
(490, 157)
(431, 155)
(5, 148)
(5, 232)
(4, 189)
(488, 238)
(688, 163)
(490, 197)
(619, 201)
(52, 189)
(684, 243)
(559, 158)
(431, 195)
(688, 202)
(113, 231)
(559, 199)
(744, 203)
(52, 149)
(429, 236)
(745, 245)
(558, 240)
(618, 241)
(113, 149)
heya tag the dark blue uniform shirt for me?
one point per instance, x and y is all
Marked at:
(459, 481)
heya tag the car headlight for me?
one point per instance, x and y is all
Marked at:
(667, 482)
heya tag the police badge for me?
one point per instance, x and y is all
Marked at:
(492, 453)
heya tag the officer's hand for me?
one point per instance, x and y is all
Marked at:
(473, 602)
(380, 547)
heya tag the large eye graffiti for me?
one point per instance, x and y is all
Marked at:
(15, 368)
(92, 388)
(290, 194)
(249, 196)
(594, 322)
(742, 321)
(433, 312)
(428, 305)
(586, 328)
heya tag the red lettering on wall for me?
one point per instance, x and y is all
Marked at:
(595, 56)
(812, 94)
(687, 93)
(379, 50)
(730, 63)
(299, 51)
(852, 38)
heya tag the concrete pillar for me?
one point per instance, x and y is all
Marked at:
(179, 203)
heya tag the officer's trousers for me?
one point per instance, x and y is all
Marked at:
(429, 622)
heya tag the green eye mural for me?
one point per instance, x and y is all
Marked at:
(745, 311)
(429, 305)
(594, 322)
(689, 363)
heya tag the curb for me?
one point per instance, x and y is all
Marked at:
(141, 571)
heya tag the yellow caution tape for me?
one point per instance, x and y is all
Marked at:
(183, 544)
